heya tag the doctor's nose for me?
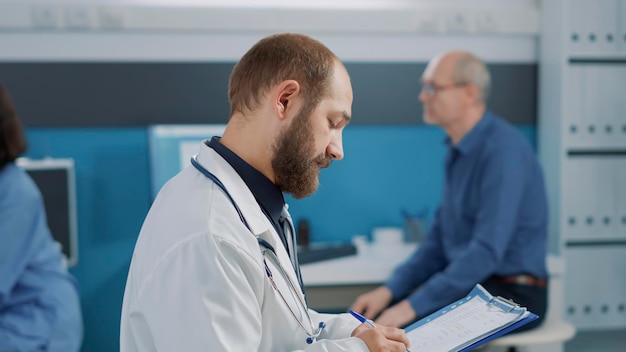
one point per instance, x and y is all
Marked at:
(335, 148)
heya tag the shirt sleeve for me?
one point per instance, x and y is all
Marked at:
(337, 334)
(427, 259)
(501, 191)
(206, 281)
(26, 326)
(338, 326)
(18, 222)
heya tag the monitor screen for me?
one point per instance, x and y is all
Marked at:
(56, 182)
(172, 146)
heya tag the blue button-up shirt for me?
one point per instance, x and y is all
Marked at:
(39, 303)
(492, 219)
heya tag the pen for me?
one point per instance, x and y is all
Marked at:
(364, 320)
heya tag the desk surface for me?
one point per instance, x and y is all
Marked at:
(373, 264)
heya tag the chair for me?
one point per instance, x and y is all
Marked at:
(554, 331)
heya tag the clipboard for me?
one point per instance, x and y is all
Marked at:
(468, 323)
(531, 317)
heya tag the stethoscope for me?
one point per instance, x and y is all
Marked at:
(269, 253)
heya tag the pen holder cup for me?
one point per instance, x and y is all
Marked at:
(414, 229)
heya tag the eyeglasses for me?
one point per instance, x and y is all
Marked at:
(431, 89)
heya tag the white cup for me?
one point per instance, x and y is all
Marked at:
(387, 236)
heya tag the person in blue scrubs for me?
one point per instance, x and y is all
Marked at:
(39, 302)
(491, 225)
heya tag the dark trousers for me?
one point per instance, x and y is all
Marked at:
(534, 298)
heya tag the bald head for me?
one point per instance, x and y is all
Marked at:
(465, 67)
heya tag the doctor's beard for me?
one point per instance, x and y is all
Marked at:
(297, 172)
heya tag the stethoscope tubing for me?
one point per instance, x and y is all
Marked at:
(312, 335)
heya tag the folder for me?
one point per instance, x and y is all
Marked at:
(467, 323)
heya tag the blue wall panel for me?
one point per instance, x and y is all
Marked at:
(385, 169)
(112, 187)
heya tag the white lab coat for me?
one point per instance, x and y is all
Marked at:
(197, 280)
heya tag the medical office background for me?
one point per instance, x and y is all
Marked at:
(91, 79)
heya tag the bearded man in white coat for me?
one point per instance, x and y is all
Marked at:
(213, 268)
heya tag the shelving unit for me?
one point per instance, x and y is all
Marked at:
(582, 144)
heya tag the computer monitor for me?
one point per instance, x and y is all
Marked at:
(172, 146)
(55, 179)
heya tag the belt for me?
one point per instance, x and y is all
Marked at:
(524, 279)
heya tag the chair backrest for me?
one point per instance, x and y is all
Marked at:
(556, 271)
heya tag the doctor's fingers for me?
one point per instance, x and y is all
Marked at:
(395, 334)
(377, 341)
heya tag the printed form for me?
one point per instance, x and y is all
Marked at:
(460, 326)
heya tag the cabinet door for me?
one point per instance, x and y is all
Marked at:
(574, 192)
(620, 204)
(589, 199)
(593, 26)
(603, 17)
(595, 286)
(577, 26)
(596, 107)
(621, 19)
(574, 121)
(606, 89)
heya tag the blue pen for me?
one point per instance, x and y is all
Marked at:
(364, 320)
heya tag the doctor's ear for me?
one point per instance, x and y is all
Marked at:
(284, 95)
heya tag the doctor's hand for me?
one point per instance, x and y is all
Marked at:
(399, 315)
(370, 304)
(382, 338)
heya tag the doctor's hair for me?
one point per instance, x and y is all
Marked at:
(470, 69)
(277, 58)
(12, 141)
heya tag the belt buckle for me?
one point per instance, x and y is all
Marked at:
(525, 280)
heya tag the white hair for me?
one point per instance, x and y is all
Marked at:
(470, 69)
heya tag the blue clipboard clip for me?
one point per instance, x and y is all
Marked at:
(505, 303)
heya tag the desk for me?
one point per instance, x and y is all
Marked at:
(332, 285)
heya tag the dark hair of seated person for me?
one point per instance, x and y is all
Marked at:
(12, 141)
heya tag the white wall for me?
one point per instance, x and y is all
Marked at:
(366, 30)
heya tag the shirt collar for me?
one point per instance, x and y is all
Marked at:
(266, 193)
(474, 137)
